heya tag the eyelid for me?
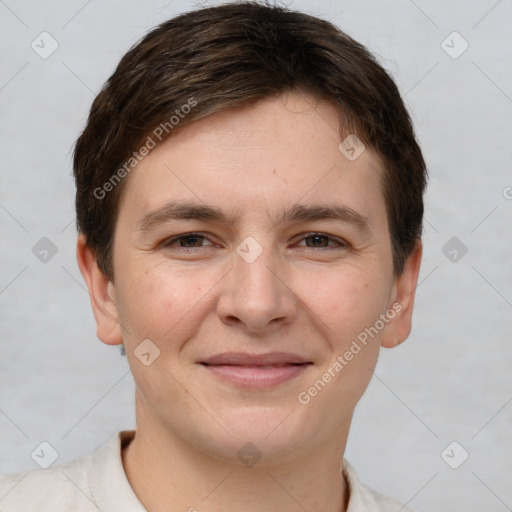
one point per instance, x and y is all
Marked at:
(341, 243)
(168, 241)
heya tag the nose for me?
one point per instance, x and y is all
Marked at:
(256, 296)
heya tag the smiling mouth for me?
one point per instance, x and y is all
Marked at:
(256, 376)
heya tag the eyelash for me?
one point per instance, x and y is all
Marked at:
(168, 243)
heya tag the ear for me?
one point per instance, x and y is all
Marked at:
(102, 293)
(405, 285)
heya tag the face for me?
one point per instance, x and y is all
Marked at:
(253, 254)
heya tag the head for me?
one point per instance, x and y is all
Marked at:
(253, 127)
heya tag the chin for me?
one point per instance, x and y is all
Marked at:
(259, 432)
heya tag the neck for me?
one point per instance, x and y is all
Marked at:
(171, 475)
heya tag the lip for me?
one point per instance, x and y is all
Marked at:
(245, 359)
(256, 371)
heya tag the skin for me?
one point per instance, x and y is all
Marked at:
(303, 295)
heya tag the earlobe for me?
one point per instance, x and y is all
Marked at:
(102, 294)
(405, 288)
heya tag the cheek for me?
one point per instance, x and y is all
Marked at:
(353, 306)
(342, 307)
(342, 302)
(161, 303)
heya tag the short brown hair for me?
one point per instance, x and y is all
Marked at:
(225, 56)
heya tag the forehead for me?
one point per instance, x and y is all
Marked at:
(256, 159)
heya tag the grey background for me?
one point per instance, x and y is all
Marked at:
(450, 381)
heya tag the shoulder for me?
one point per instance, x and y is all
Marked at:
(363, 499)
(79, 486)
(48, 489)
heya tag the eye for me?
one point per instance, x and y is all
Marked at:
(186, 241)
(189, 242)
(323, 241)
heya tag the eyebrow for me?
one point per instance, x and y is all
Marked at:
(297, 213)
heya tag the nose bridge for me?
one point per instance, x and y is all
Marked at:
(256, 266)
(255, 294)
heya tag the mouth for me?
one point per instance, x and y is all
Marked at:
(256, 371)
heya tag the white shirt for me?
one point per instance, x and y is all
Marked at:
(98, 483)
